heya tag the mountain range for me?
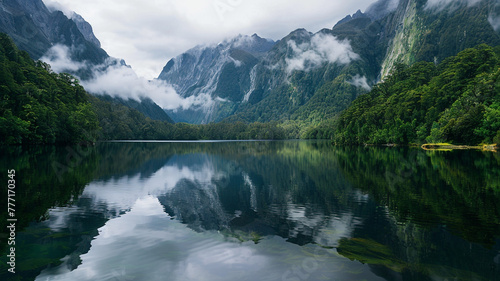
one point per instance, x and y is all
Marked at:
(223, 72)
(35, 29)
(45, 33)
(298, 81)
(305, 77)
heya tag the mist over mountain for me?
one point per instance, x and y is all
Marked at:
(382, 8)
(67, 42)
(219, 74)
(309, 77)
(36, 29)
(299, 80)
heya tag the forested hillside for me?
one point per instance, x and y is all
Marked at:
(457, 101)
(307, 78)
(120, 122)
(40, 106)
(37, 29)
(302, 86)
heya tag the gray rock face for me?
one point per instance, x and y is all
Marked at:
(312, 77)
(35, 29)
(86, 30)
(220, 72)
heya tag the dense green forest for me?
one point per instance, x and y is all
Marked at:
(457, 101)
(120, 122)
(38, 106)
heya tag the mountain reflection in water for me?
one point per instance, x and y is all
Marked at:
(293, 210)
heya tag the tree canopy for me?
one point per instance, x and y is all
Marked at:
(39, 106)
(457, 101)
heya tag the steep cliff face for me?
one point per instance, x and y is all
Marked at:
(434, 30)
(50, 34)
(223, 74)
(27, 22)
(35, 29)
(407, 28)
(312, 77)
(86, 29)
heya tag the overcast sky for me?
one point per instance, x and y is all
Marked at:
(149, 33)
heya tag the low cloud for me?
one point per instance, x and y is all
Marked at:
(494, 17)
(360, 81)
(56, 6)
(439, 5)
(381, 8)
(452, 5)
(118, 80)
(59, 59)
(237, 63)
(136, 30)
(322, 48)
(495, 22)
(122, 81)
(392, 5)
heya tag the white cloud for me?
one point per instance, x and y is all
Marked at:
(322, 48)
(360, 81)
(440, 5)
(122, 81)
(147, 34)
(117, 80)
(392, 5)
(53, 5)
(59, 59)
(237, 63)
(381, 8)
(494, 18)
(495, 22)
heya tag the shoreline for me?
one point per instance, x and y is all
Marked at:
(450, 147)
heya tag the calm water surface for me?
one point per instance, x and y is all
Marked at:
(293, 210)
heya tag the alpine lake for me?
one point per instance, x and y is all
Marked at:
(250, 210)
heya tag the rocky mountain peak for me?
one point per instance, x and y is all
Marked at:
(382, 8)
(86, 29)
(36, 28)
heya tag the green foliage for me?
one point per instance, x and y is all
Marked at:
(145, 105)
(13, 128)
(38, 106)
(371, 252)
(457, 102)
(447, 33)
(328, 101)
(302, 97)
(120, 122)
(460, 188)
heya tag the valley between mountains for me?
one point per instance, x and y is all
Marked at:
(401, 72)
